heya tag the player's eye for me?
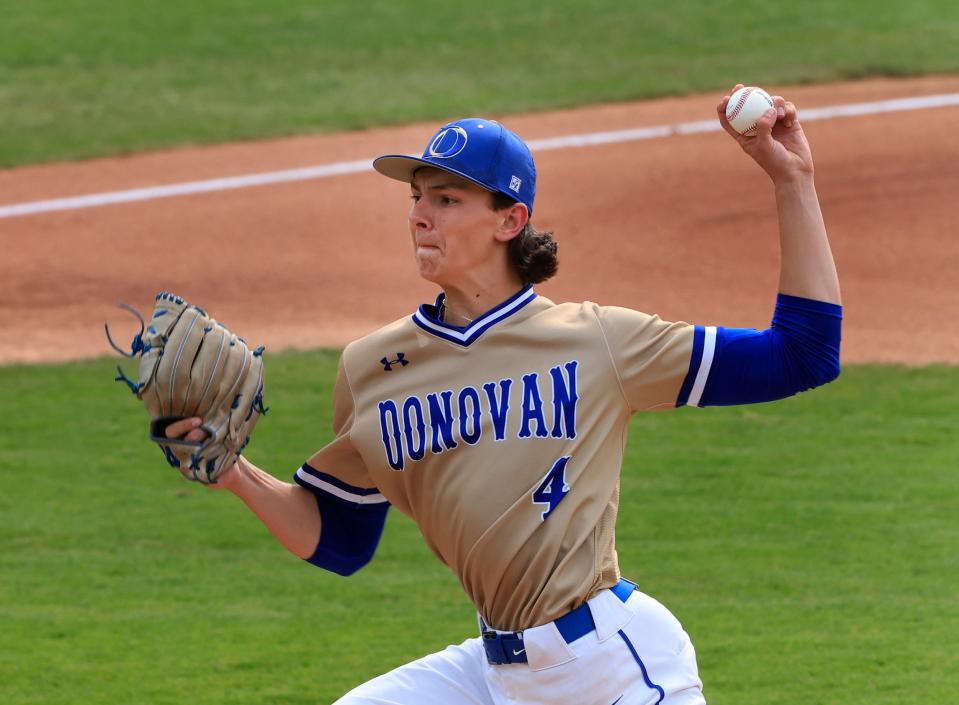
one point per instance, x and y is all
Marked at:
(447, 201)
(415, 197)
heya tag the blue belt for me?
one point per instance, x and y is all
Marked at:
(508, 647)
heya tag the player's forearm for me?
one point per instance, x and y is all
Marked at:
(288, 511)
(807, 268)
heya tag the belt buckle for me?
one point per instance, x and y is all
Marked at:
(504, 647)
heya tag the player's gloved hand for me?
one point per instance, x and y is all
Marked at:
(191, 367)
(191, 430)
(778, 144)
(187, 430)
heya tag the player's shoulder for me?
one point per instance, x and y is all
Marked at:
(572, 311)
(614, 323)
(565, 309)
(397, 334)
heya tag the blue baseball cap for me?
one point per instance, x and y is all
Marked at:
(482, 151)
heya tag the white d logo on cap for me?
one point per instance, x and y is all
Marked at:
(448, 142)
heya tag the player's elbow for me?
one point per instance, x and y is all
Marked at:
(807, 339)
(353, 565)
(349, 535)
(818, 367)
(830, 374)
(344, 564)
(821, 370)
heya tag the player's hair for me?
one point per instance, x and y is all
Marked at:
(532, 253)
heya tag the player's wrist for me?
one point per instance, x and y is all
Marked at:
(798, 180)
(231, 478)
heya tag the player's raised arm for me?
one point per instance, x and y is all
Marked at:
(779, 145)
(800, 350)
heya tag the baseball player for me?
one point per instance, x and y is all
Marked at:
(496, 419)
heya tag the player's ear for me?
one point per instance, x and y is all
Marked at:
(512, 221)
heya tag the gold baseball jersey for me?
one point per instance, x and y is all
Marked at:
(503, 440)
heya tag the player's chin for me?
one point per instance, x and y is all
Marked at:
(433, 278)
(429, 269)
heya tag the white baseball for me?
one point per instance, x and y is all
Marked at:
(745, 107)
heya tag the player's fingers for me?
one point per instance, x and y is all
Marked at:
(196, 435)
(790, 117)
(185, 427)
(765, 124)
(721, 110)
(780, 104)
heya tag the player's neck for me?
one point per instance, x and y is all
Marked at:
(449, 315)
(463, 304)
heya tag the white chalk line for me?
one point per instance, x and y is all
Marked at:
(362, 165)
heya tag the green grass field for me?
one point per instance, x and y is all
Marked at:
(809, 546)
(91, 77)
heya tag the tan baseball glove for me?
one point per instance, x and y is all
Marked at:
(191, 365)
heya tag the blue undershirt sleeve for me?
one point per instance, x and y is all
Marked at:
(799, 351)
(352, 521)
(349, 536)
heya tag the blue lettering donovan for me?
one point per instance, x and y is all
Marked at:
(542, 406)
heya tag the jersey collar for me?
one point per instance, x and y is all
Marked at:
(427, 318)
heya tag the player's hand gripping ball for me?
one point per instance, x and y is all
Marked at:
(745, 107)
(191, 365)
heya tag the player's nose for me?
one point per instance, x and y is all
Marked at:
(419, 215)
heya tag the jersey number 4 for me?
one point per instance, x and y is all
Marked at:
(553, 487)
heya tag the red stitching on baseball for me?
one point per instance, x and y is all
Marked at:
(740, 103)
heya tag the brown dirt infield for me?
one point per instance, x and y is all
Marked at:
(683, 226)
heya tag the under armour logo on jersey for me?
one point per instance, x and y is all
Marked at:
(400, 360)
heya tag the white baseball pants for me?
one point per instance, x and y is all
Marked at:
(638, 654)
